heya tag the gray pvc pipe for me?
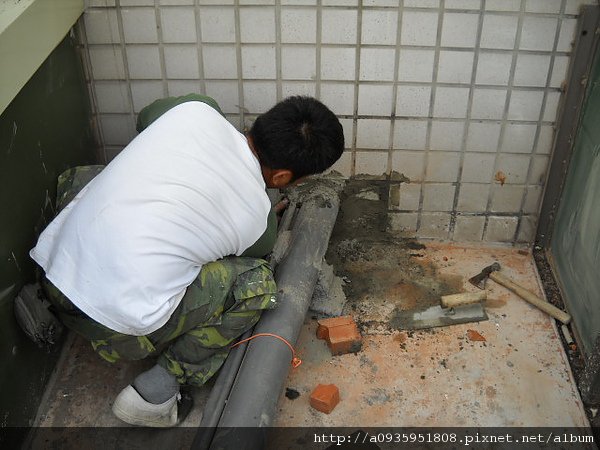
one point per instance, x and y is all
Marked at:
(253, 398)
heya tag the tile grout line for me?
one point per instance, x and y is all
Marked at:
(395, 89)
(467, 120)
(238, 56)
(278, 76)
(125, 61)
(161, 48)
(540, 121)
(433, 84)
(199, 47)
(504, 120)
(356, 86)
(318, 46)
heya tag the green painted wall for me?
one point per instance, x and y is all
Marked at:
(576, 237)
(45, 130)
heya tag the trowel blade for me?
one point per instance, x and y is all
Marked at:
(436, 316)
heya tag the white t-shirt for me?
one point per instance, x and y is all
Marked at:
(185, 192)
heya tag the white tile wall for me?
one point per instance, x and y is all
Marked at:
(398, 74)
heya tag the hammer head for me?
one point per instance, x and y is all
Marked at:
(479, 279)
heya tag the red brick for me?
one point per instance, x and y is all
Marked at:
(325, 397)
(341, 334)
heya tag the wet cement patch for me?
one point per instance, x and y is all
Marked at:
(384, 274)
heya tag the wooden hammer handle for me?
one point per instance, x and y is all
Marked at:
(531, 298)
(466, 298)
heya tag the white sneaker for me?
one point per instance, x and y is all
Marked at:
(130, 407)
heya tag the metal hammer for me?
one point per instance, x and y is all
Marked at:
(493, 272)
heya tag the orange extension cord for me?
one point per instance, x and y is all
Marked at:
(295, 360)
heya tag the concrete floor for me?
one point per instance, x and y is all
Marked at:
(518, 377)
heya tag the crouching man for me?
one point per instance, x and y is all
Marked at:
(158, 255)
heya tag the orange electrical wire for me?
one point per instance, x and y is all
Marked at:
(295, 360)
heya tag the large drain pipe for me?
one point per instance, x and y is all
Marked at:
(252, 400)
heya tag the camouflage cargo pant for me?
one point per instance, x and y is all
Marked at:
(226, 299)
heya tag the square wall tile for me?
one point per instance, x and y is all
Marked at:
(338, 97)
(413, 101)
(459, 30)
(107, 63)
(112, 96)
(451, 102)
(573, 6)
(409, 164)
(258, 62)
(442, 167)
(416, 65)
(338, 63)
(137, 3)
(371, 163)
(483, 137)
(259, 96)
(176, 88)
(139, 26)
(379, 27)
(539, 170)
(545, 140)
(518, 138)
(499, 31)
(515, 167)
(111, 152)
(182, 62)
(551, 108)
(289, 88)
(410, 134)
(410, 195)
(543, 6)
(143, 62)
(488, 103)
(226, 94)
(434, 225)
(422, 3)
(299, 26)
(446, 136)
(117, 129)
(338, 26)
(257, 2)
(473, 197)
(217, 24)
(340, 2)
(462, 4)
(380, 2)
(501, 229)
(538, 33)
(377, 64)
(257, 25)
(101, 26)
(532, 70)
(533, 199)
(220, 61)
(178, 25)
(478, 167)
(375, 100)
(507, 198)
(403, 222)
(469, 228)
(567, 35)
(503, 5)
(348, 126)
(145, 92)
(493, 68)
(527, 229)
(373, 133)
(343, 165)
(298, 63)
(559, 71)
(455, 67)
(525, 105)
(419, 28)
(438, 197)
(99, 3)
(177, 2)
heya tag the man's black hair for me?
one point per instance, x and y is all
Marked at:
(299, 134)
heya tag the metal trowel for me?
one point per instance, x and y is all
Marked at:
(453, 309)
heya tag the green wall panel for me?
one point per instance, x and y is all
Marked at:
(576, 238)
(45, 130)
